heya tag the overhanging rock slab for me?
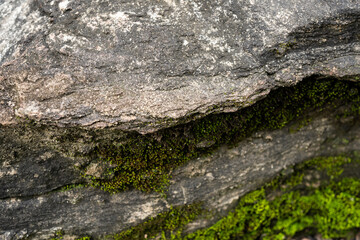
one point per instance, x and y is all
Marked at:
(145, 65)
(77, 76)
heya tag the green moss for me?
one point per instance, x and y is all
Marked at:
(302, 123)
(72, 186)
(145, 162)
(58, 235)
(332, 209)
(332, 165)
(84, 238)
(168, 224)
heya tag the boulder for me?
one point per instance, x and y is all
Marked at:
(191, 91)
(146, 65)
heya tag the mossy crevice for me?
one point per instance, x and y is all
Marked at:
(59, 235)
(286, 208)
(290, 206)
(169, 224)
(145, 162)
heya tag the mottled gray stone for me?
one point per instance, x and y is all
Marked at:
(139, 64)
(76, 66)
(217, 180)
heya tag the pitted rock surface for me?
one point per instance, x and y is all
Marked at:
(217, 180)
(144, 65)
(76, 73)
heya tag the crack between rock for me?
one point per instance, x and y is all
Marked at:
(28, 197)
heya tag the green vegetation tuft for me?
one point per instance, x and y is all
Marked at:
(332, 165)
(145, 162)
(333, 209)
(84, 238)
(58, 235)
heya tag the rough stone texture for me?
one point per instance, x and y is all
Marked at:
(145, 65)
(139, 64)
(218, 180)
(29, 167)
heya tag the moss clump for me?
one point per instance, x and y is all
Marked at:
(166, 224)
(58, 235)
(332, 209)
(332, 165)
(145, 162)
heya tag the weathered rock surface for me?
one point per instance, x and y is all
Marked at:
(70, 68)
(218, 180)
(140, 64)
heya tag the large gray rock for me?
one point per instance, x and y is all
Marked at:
(74, 74)
(143, 65)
